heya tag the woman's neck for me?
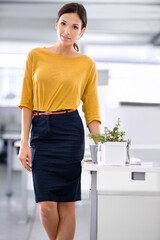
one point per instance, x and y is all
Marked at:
(63, 50)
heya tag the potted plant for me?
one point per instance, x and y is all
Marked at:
(111, 145)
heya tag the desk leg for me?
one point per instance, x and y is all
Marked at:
(93, 212)
(9, 167)
(24, 209)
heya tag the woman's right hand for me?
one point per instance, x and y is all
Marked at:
(25, 156)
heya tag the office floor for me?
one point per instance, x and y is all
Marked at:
(10, 212)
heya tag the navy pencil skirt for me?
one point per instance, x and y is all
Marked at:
(57, 146)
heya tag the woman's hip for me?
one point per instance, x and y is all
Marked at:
(56, 127)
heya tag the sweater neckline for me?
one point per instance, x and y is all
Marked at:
(61, 55)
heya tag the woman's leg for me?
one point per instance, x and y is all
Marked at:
(67, 222)
(49, 218)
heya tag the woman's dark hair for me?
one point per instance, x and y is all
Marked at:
(74, 8)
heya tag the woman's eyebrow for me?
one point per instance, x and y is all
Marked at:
(73, 23)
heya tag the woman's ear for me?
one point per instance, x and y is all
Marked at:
(56, 24)
(82, 31)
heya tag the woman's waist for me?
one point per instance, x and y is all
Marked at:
(62, 111)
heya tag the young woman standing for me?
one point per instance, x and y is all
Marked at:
(55, 80)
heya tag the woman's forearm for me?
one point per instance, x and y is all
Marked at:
(26, 124)
(94, 127)
(25, 155)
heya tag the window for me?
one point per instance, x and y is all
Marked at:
(11, 75)
(133, 82)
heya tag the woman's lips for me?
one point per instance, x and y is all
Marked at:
(65, 38)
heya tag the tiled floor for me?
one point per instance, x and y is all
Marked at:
(10, 213)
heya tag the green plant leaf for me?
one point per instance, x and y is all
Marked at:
(109, 135)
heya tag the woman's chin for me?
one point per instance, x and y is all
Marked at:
(65, 42)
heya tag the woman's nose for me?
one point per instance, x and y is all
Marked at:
(67, 31)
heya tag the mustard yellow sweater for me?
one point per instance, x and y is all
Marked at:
(53, 82)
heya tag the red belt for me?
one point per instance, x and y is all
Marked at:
(48, 113)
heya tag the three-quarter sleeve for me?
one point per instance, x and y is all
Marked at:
(89, 98)
(27, 85)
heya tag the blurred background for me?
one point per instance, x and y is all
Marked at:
(123, 38)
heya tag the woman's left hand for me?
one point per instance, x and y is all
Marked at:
(94, 127)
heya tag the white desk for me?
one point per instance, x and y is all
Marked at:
(24, 203)
(10, 137)
(15, 138)
(137, 172)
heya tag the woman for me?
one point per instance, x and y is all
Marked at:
(55, 80)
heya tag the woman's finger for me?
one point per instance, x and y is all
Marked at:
(30, 159)
(24, 162)
(26, 165)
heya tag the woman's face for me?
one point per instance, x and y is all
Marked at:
(69, 28)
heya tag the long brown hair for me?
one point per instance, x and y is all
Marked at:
(74, 8)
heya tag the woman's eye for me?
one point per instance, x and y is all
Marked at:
(62, 23)
(75, 27)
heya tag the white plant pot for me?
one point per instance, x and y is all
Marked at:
(112, 153)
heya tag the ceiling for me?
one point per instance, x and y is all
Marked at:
(110, 22)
